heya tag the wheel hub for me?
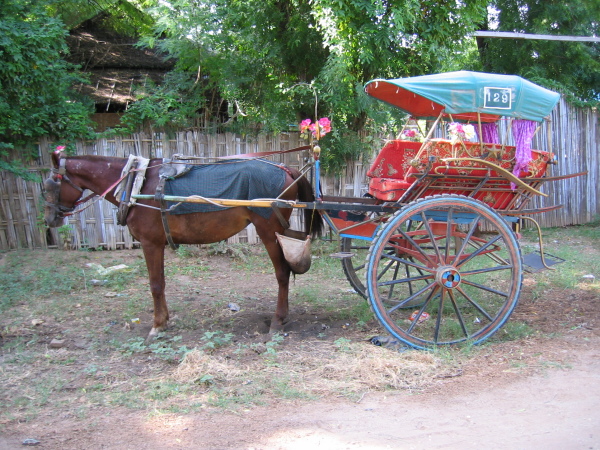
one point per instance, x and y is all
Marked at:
(448, 276)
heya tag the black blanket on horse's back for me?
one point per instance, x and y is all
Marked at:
(231, 179)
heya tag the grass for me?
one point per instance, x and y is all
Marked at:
(20, 270)
(512, 331)
(575, 245)
(212, 357)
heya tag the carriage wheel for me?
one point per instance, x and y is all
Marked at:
(354, 266)
(454, 275)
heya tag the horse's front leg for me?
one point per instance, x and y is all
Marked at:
(155, 262)
(282, 273)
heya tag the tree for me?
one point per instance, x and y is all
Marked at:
(123, 16)
(35, 81)
(268, 58)
(572, 67)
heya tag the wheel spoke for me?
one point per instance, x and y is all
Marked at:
(416, 246)
(387, 267)
(404, 280)
(361, 267)
(486, 270)
(431, 236)
(492, 256)
(423, 277)
(449, 223)
(436, 333)
(478, 251)
(415, 321)
(408, 263)
(458, 313)
(460, 252)
(475, 304)
(391, 291)
(414, 296)
(485, 288)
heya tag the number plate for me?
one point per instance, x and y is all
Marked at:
(497, 98)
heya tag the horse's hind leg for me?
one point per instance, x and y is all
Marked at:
(155, 262)
(266, 232)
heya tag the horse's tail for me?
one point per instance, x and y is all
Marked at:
(313, 222)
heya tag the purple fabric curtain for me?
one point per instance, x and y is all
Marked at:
(489, 132)
(523, 131)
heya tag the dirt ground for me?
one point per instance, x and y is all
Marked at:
(555, 410)
(542, 391)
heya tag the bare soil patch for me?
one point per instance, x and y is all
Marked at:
(321, 385)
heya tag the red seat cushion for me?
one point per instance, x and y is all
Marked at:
(394, 159)
(388, 189)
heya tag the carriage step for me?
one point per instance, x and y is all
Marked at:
(342, 255)
(389, 342)
(533, 261)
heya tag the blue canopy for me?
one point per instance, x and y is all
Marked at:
(465, 94)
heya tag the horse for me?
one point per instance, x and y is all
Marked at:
(64, 188)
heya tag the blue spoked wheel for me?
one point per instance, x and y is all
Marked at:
(454, 274)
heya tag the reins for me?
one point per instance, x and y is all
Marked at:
(256, 155)
(61, 175)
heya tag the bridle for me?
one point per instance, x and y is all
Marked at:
(60, 175)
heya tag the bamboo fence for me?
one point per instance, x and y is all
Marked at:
(575, 136)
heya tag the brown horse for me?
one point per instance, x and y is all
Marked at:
(99, 174)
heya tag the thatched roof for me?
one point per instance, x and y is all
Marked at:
(116, 66)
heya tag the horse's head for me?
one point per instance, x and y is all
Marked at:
(60, 193)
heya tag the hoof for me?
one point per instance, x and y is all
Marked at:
(277, 326)
(153, 333)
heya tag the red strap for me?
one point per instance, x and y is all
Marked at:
(92, 195)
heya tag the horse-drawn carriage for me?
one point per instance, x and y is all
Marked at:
(433, 247)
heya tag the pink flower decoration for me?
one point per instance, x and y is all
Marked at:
(325, 125)
(60, 148)
(305, 125)
(318, 129)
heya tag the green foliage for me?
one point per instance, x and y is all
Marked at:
(343, 344)
(35, 80)
(264, 61)
(215, 339)
(174, 104)
(163, 348)
(571, 67)
(123, 17)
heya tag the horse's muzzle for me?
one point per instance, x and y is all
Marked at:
(53, 215)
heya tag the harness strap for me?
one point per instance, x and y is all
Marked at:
(61, 174)
(284, 223)
(89, 197)
(123, 210)
(159, 196)
(62, 166)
